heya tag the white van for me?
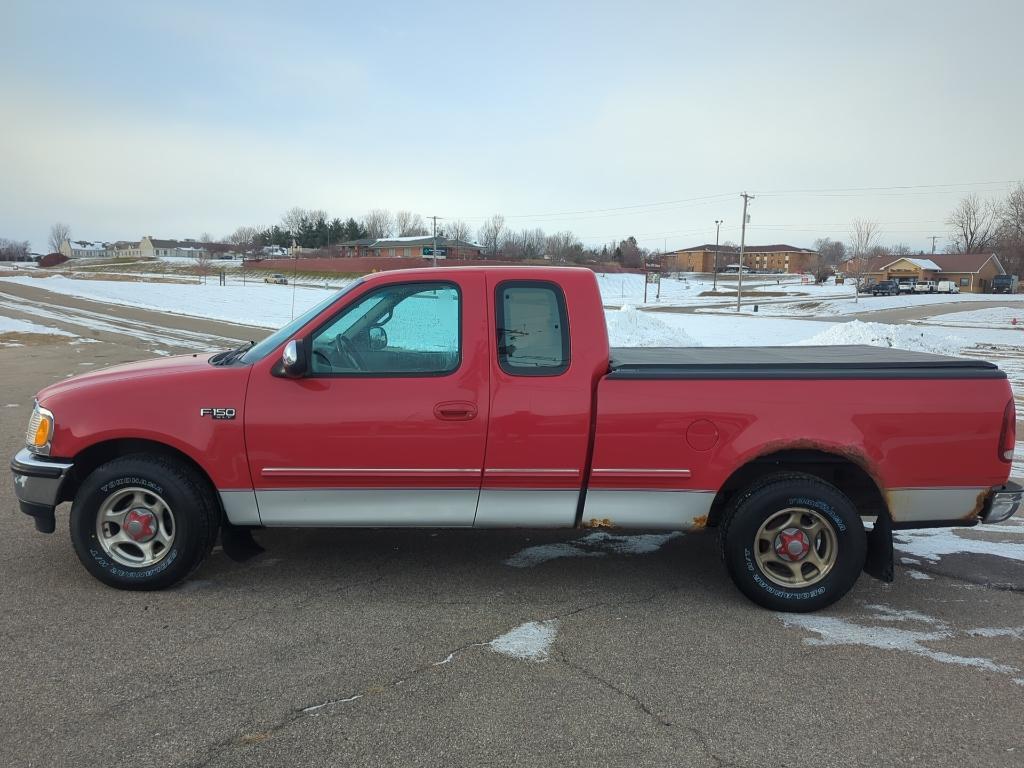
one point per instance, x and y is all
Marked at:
(947, 286)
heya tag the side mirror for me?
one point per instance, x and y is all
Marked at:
(293, 359)
(378, 338)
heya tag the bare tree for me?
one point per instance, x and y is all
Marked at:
(1010, 240)
(863, 237)
(243, 237)
(59, 232)
(202, 261)
(492, 234)
(14, 250)
(457, 229)
(830, 253)
(379, 223)
(525, 244)
(563, 246)
(972, 225)
(205, 237)
(410, 224)
(293, 220)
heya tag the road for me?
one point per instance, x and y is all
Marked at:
(370, 648)
(909, 314)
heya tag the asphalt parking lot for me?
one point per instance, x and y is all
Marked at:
(367, 647)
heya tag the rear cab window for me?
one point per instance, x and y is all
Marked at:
(532, 328)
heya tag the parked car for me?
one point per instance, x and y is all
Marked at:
(925, 286)
(277, 279)
(906, 286)
(374, 408)
(867, 286)
(885, 288)
(1005, 284)
(947, 286)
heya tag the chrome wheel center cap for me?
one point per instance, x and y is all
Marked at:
(792, 544)
(140, 525)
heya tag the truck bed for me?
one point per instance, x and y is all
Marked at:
(829, 362)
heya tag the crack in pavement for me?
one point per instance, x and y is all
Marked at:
(314, 710)
(703, 741)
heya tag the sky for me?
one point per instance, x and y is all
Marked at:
(606, 119)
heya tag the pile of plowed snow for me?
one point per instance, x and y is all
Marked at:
(629, 327)
(884, 335)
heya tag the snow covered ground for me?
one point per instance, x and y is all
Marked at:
(1009, 318)
(12, 325)
(824, 306)
(271, 306)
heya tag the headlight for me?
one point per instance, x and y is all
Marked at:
(40, 431)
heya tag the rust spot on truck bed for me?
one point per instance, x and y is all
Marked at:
(700, 522)
(598, 522)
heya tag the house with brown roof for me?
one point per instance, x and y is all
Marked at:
(768, 258)
(972, 272)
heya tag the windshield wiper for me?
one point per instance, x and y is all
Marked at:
(226, 358)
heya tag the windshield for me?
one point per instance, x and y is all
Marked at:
(274, 340)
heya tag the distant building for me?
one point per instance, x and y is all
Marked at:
(421, 247)
(356, 249)
(125, 249)
(769, 258)
(154, 248)
(85, 249)
(972, 272)
(418, 247)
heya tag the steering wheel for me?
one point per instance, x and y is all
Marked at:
(347, 353)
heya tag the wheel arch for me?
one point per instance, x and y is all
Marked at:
(88, 459)
(845, 471)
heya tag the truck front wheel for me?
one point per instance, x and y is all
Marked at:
(143, 522)
(793, 543)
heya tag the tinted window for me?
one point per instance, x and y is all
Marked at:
(533, 329)
(405, 329)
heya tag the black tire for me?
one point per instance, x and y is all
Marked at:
(751, 508)
(196, 517)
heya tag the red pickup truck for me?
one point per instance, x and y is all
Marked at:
(488, 397)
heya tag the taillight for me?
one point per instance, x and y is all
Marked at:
(1008, 433)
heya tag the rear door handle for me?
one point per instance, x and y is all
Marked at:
(455, 410)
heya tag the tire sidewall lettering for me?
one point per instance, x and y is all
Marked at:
(822, 506)
(120, 482)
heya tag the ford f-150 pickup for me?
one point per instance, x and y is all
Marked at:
(488, 397)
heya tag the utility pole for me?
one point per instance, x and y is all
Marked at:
(718, 227)
(933, 238)
(743, 240)
(435, 240)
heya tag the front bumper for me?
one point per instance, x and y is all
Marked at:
(1003, 503)
(37, 483)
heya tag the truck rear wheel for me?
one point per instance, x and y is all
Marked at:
(793, 543)
(143, 522)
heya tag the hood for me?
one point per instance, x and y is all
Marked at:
(161, 366)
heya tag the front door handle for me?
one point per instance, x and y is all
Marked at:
(455, 410)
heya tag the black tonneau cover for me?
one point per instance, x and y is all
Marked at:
(833, 362)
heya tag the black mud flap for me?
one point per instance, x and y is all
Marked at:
(880, 561)
(238, 543)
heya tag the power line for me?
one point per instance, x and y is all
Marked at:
(902, 187)
(654, 207)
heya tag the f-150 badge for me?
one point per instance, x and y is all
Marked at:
(218, 413)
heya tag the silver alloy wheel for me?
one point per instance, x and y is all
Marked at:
(796, 547)
(135, 527)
